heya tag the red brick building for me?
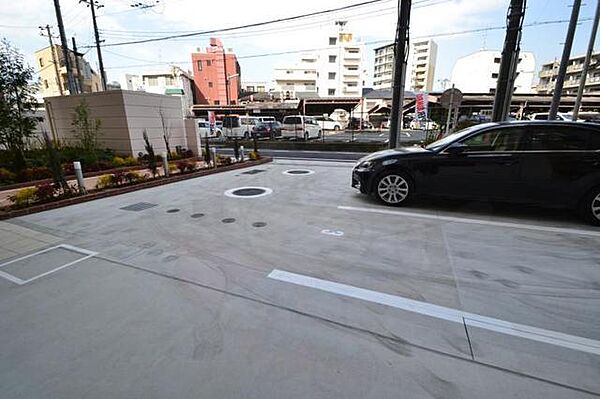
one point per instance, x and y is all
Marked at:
(216, 75)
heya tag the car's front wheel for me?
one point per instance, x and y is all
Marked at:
(393, 188)
(590, 206)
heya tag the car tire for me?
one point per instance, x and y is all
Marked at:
(306, 136)
(590, 206)
(246, 136)
(336, 128)
(393, 188)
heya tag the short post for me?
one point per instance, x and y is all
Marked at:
(165, 163)
(242, 153)
(214, 153)
(79, 174)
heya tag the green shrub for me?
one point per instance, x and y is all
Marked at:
(24, 197)
(118, 162)
(130, 161)
(134, 177)
(104, 181)
(254, 155)
(6, 176)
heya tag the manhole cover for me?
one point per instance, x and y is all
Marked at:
(139, 206)
(295, 172)
(259, 224)
(248, 192)
(197, 215)
(228, 220)
(174, 210)
(253, 171)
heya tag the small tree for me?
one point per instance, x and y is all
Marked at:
(206, 150)
(17, 103)
(166, 128)
(151, 156)
(58, 175)
(86, 129)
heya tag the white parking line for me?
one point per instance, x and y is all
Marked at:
(522, 226)
(440, 312)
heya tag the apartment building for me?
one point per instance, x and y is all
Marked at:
(549, 71)
(420, 68)
(52, 71)
(299, 79)
(340, 72)
(217, 75)
(478, 72)
(256, 86)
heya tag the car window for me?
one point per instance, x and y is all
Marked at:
(504, 139)
(558, 138)
(291, 120)
(202, 124)
(595, 140)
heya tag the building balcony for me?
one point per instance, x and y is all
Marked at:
(546, 73)
(575, 68)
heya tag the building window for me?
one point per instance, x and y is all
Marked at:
(152, 82)
(331, 75)
(217, 102)
(210, 84)
(199, 64)
(41, 62)
(352, 84)
(249, 88)
(208, 63)
(494, 76)
(497, 60)
(332, 41)
(289, 72)
(331, 92)
(332, 58)
(45, 82)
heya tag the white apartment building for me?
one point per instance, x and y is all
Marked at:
(549, 72)
(420, 68)
(341, 65)
(175, 82)
(478, 72)
(256, 86)
(336, 71)
(300, 78)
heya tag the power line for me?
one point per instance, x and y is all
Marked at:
(295, 17)
(373, 42)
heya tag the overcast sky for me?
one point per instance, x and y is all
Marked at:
(373, 24)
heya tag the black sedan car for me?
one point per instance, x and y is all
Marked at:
(549, 163)
(267, 130)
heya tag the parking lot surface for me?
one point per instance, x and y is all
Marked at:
(308, 290)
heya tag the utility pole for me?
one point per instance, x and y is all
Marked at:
(65, 48)
(586, 63)
(400, 59)
(92, 5)
(77, 55)
(54, 61)
(562, 69)
(508, 63)
(226, 78)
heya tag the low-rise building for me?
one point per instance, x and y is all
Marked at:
(478, 72)
(293, 81)
(549, 72)
(53, 72)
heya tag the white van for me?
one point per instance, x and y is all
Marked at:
(266, 118)
(239, 126)
(204, 131)
(560, 116)
(300, 127)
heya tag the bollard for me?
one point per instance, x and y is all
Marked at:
(79, 174)
(242, 153)
(165, 163)
(214, 156)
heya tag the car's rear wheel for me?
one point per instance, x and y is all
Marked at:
(246, 135)
(336, 128)
(393, 188)
(306, 136)
(590, 206)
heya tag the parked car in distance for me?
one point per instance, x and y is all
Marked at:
(560, 116)
(269, 130)
(266, 118)
(328, 123)
(204, 131)
(359, 124)
(427, 124)
(300, 127)
(238, 126)
(549, 163)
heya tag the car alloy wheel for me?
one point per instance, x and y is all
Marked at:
(595, 207)
(393, 189)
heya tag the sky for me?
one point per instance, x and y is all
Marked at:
(374, 24)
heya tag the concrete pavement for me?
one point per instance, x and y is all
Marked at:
(178, 303)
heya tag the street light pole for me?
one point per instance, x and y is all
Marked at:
(400, 59)
(586, 62)
(562, 69)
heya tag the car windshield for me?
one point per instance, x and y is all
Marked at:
(438, 145)
(292, 120)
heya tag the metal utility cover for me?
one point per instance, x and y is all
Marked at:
(139, 206)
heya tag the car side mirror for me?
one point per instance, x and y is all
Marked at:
(456, 149)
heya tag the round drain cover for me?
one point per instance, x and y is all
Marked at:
(296, 172)
(248, 192)
(174, 210)
(259, 224)
(197, 215)
(228, 220)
